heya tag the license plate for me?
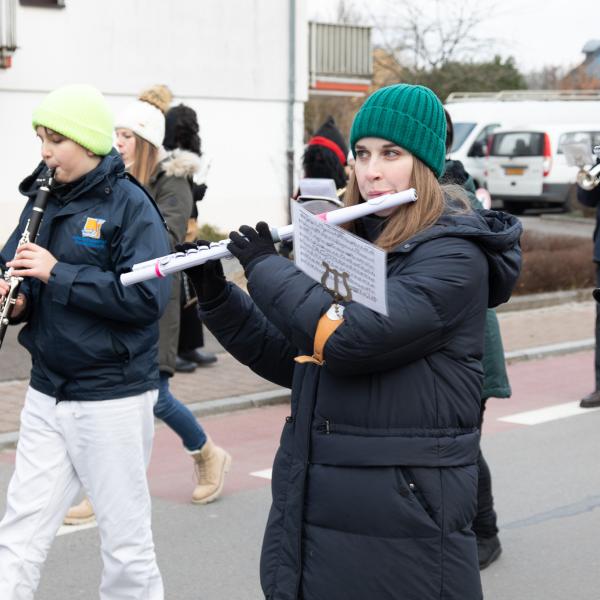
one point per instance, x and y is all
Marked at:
(514, 170)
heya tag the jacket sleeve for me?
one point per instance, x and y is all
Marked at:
(174, 199)
(246, 334)
(588, 197)
(141, 236)
(439, 287)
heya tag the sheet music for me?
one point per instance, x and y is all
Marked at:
(342, 262)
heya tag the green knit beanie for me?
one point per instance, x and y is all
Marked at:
(80, 113)
(411, 116)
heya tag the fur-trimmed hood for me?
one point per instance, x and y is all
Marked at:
(181, 163)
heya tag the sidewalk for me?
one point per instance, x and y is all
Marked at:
(228, 385)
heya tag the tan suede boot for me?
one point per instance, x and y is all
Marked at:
(212, 462)
(80, 513)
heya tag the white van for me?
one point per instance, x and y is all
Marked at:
(526, 166)
(476, 116)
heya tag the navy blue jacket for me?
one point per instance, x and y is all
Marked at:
(375, 480)
(592, 198)
(91, 338)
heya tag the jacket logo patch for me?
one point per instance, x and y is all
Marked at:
(92, 228)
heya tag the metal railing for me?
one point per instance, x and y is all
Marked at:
(8, 25)
(340, 50)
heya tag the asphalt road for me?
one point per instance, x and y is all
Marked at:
(546, 485)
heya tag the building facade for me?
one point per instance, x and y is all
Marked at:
(241, 65)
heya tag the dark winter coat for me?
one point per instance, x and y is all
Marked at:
(91, 338)
(592, 198)
(172, 190)
(495, 377)
(375, 480)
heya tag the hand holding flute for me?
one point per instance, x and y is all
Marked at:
(163, 266)
(207, 278)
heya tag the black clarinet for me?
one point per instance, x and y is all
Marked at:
(7, 304)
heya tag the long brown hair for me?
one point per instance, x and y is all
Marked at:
(145, 160)
(409, 219)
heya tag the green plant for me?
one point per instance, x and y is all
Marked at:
(210, 233)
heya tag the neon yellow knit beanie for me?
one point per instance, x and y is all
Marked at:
(79, 112)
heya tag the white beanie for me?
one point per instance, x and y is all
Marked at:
(145, 119)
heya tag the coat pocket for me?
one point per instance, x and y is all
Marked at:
(364, 501)
(410, 488)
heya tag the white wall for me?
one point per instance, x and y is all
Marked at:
(228, 60)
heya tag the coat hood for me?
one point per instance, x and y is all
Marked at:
(496, 233)
(181, 163)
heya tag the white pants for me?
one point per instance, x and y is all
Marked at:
(104, 445)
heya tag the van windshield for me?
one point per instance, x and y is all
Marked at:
(518, 143)
(461, 131)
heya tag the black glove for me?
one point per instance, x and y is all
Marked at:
(198, 191)
(251, 245)
(208, 279)
(596, 294)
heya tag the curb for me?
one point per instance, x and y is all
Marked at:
(544, 299)
(235, 403)
(549, 350)
(591, 221)
(202, 409)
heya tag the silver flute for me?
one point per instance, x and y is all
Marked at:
(8, 302)
(171, 263)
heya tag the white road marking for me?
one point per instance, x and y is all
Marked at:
(550, 413)
(550, 350)
(265, 474)
(67, 529)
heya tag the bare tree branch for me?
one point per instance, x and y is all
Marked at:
(429, 33)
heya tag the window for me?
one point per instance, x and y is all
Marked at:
(479, 146)
(461, 131)
(589, 137)
(518, 143)
(44, 3)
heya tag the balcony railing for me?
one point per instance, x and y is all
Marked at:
(340, 58)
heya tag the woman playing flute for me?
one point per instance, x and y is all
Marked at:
(375, 480)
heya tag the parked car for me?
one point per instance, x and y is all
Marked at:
(476, 115)
(526, 166)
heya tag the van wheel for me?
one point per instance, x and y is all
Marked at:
(514, 208)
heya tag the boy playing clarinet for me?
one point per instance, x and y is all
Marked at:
(87, 418)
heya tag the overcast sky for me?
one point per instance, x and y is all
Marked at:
(535, 32)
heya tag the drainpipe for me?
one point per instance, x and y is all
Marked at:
(291, 104)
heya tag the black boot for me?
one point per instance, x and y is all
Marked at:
(591, 400)
(199, 356)
(184, 366)
(488, 550)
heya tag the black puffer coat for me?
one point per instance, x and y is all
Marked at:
(375, 481)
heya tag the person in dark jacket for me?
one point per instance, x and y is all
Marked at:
(325, 157)
(87, 418)
(495, 382)
(181, 137)
(592, 198)
(375, 479)
(326, 154)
